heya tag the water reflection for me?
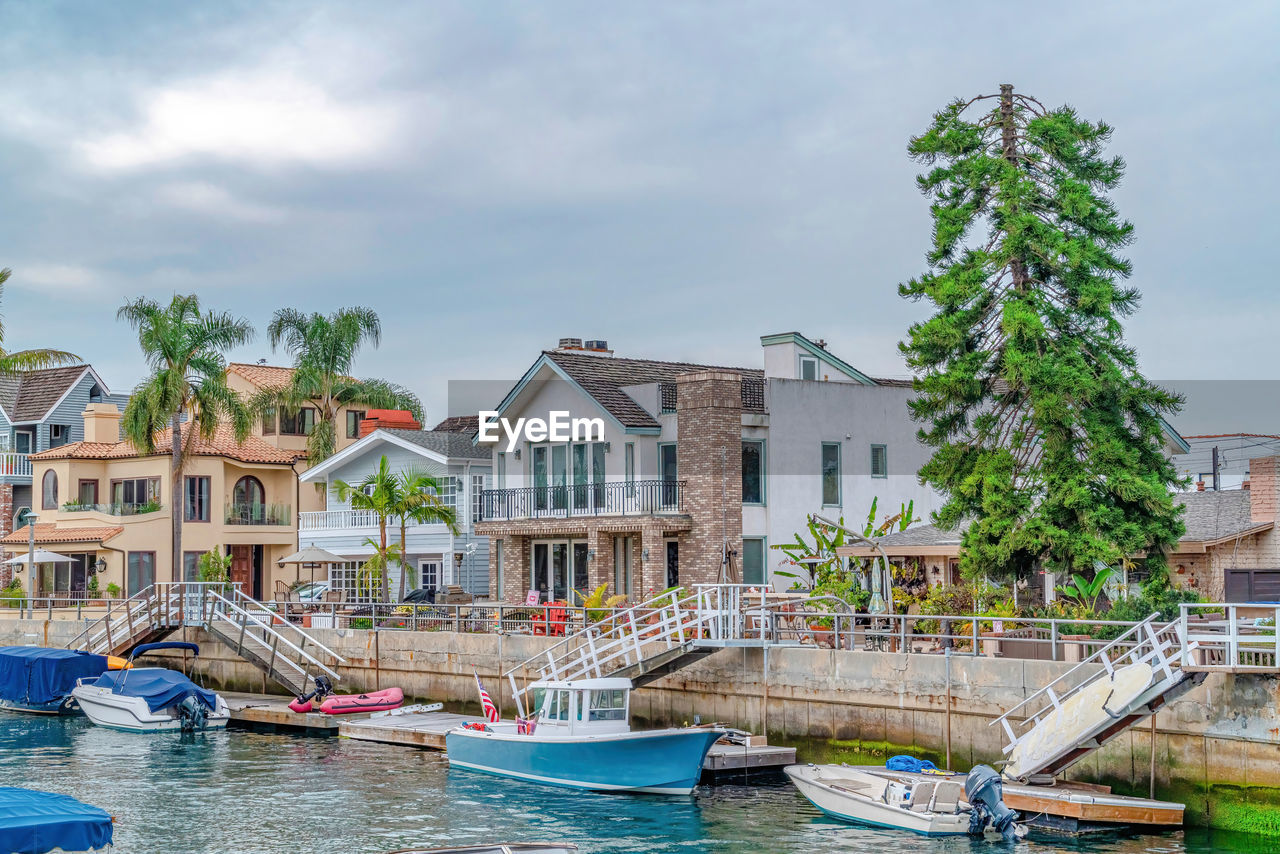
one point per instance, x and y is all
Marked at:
(265, 794)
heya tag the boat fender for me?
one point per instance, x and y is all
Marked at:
(478, 726)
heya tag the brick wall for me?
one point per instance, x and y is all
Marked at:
(709, 460)
(1262, 487)
(6, 525)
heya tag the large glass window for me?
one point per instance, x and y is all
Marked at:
(559, 477)
(191, 566)
(297, 422)
(629, 464)
(879, 461)
(196, 503)
(753, 472)
(753, 562)
(502, 470)
(49, 491)
(140, 572)
(581, 474)
(353, 424)
(608, 705)
(540, 481)
(831, 473)
(668, 472)
(269, 422)
(135, 492)
(88, 493)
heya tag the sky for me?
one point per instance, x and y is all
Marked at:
(676, 178)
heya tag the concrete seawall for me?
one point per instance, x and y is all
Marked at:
(1217, 746)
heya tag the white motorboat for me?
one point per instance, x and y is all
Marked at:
(939, 807)
(151, 699)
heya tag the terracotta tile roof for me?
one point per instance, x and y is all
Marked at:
(48, 532)
(468, 424)
(223, 444)
(30, 395)
(263, 376)
(603, 377)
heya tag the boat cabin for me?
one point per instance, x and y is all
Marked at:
(582, 706)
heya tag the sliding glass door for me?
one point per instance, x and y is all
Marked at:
(559, 568)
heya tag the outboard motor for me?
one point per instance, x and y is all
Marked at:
(193, 713)
(984, 792)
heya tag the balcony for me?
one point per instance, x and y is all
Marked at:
(113, 509)
(336, 520)
(638, 498)
(15, 465)
(259, 514)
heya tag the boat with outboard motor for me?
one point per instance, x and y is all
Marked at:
(945, 807)
(38, 680)
(151, 699)
(580, 737)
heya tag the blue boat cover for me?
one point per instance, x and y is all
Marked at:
(909, 764)
(161, 688)
(34, 822)
(33, 675)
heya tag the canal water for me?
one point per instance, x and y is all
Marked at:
(250, 793)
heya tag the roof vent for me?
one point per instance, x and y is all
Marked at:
(596, 345)
(570, 344)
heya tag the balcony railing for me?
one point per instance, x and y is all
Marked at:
(334, 520)
(13, 464)
(641, 497)
(259, 514)
(113, 509)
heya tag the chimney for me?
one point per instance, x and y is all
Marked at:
(392, 419)
(101, 423)
(1262, 489)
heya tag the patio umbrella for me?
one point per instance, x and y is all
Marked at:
(39, 556)
(311, 555)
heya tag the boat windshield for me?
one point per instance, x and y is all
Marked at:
(609, 705)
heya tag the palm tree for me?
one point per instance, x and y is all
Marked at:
(418, 499)
(188, 380)
(29, 360)
(377, 493)
(323, 350)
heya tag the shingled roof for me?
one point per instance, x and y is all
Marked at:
(603, 377)
(223, 444)
(30, 395)
(456, 445)
(468, 424)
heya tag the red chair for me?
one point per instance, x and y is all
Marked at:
(552, 622)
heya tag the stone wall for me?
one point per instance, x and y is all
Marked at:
(1217, 746)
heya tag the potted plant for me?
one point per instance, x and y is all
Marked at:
(92, 591)
(113, 590)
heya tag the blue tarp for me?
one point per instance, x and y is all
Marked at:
(33, 675)
(910, 764)
(161, 688)
(34, 822)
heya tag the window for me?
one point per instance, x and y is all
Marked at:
(808, 368)
(196, 505)
(753, 472)
(87, 493)
(879, 461)
(49, 491)
(140, 572)
(248, 492)
(135, 492)
(95, 393)
(623, 550)
(831, 473)
(59, 434)
(297, 422)
(355, 584)
(668, 472)
(753, 560)
(502, 470)
(353, 424)
(191, 565)
(477, 497)
(269, 422)
(497, 563)
(608, 705)
(629, 467)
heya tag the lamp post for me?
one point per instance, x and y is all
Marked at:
(28, 518)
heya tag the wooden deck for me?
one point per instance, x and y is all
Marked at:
(271, 713)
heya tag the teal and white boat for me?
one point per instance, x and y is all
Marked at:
(581, 738)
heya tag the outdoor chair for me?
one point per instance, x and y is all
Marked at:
(921, 795)
(282, 591)
(946, 797)
(551, 622)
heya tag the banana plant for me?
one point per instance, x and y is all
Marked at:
(1085, 591)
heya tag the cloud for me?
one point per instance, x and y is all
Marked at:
(200, 197)
(60, 278)
(257, 117)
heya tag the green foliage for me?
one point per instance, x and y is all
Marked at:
(1156, 596)
(417, 497)
(1087, 591)
(13, 595)
(113, 590)
(324, 349)
(214, 566)
(1047, 438)
(598, 604)
(378, 494)
(92, 587)
(360, 623)
(20, 361)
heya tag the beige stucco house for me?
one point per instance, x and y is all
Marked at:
(101, 503)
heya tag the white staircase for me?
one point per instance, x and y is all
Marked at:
(1063, 731)
(283, 651)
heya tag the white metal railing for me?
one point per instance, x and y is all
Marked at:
(328, 520)
(14, 464)
(1230, 637)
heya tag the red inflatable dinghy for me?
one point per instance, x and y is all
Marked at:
(345, 704)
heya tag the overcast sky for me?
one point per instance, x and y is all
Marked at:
(677, 178)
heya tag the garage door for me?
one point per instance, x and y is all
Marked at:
(1253, 585)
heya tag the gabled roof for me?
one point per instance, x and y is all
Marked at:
(820, 352)
(603, 378)
(444, 448)
(263, 376)
(223, 444)
(31, 395)
(468, 424)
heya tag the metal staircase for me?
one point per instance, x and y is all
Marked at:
(281, 650)
(650, 640)
(1041, 716)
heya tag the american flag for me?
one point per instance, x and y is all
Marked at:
(490, 710)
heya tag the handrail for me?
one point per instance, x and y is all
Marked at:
(269, 629)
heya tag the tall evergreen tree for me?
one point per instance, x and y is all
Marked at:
(1047, 438)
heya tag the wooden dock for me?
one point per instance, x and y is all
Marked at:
(270, 713)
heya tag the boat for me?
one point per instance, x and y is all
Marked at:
(34, 822)
(346, 704)
(151, 699)
(942, 807)
(38, 680)
(580, 737)
(497, 848)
